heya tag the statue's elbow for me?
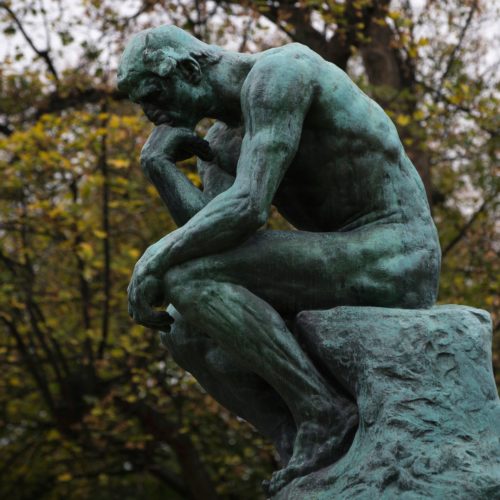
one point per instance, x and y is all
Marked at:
(147, 165)
(248, 215)
(253, 218)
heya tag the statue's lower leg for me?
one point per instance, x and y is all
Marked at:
(256, 337)
(240, 391)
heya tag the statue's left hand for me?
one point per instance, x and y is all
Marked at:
(146, 290)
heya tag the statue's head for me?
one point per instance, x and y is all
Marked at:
(162, 70)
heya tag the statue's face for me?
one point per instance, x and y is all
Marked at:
(170, 100)
(167, 86)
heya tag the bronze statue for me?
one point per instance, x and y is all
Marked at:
(291, 130)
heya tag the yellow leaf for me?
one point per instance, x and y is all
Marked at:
(379, 21)
(194, 178)
(119, 163)
(418, 115)
(96, 411)
(152, 191)
(53, 435)
(17, 304)
(134, 253)
(116, 353)
(65, 477)
(6, 316)
(56, 211)
(403, 120)
(85, 250)
(100, 234)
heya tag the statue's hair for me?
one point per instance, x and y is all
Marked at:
(159, 50)
(178, 43)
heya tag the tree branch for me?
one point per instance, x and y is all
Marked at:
(193, 470)
(77, 98)
(32, 364)
(103, 167)
(43, 54)
(166, 477)
(463, 231)
(457, 47)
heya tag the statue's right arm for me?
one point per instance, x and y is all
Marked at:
(164, 147)
(182, 198)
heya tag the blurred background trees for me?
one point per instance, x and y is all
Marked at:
(90, 404)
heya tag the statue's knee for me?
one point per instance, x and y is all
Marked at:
(187, 287)
(172, 278)
(177, 281)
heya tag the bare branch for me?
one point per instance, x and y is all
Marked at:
(43, 54)
(457, 47)
(31, 361)
(77, 98)
(103, 167)
(463, 231)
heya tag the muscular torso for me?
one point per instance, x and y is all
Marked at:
(350, 168)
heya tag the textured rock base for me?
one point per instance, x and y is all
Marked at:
(429, 409)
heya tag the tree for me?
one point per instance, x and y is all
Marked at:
(90, 403)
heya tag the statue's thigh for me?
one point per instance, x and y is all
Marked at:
(296, 270)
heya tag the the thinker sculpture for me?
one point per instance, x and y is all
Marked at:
(291, 130)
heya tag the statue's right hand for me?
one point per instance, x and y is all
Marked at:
(146, 289)
(176, 144)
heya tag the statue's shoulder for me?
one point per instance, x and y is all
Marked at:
(290, 66)
(291, 55)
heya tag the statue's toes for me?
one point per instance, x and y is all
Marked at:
(282, 477)
(275, 484)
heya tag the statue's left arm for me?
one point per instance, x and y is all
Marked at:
(274, 103)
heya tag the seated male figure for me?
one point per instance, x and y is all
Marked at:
(292, 131)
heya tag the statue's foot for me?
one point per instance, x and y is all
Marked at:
(316, 446)
(283, 438)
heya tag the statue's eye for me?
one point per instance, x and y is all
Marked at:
(151, 97)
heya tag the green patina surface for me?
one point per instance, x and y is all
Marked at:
(293, 131)
(428, 405)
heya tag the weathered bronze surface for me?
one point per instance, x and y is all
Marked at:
(291, 130)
